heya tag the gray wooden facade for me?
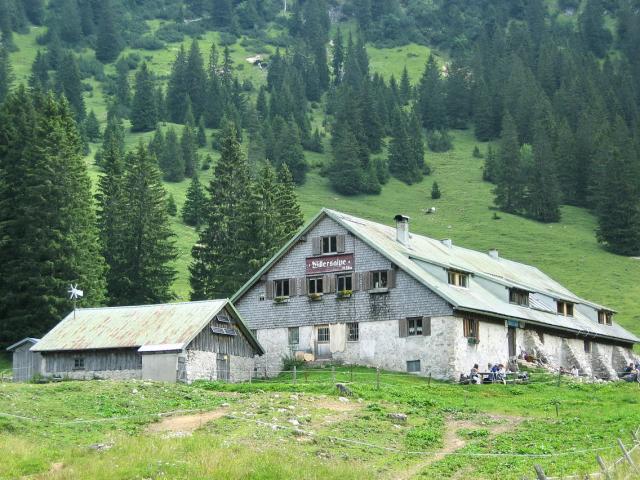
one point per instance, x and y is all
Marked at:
(26, 364)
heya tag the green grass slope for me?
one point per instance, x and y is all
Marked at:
(567, 250)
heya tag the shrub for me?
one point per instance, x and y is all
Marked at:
(148, 42)
(439, 141)
(289, 361)
(477, 153)
(435, 191)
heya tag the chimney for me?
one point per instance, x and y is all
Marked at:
(402, 229)
(493, 253)
(447, 242)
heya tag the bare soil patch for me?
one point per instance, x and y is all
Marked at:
(185, 423)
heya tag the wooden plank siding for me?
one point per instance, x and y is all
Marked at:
(26, 364)
(207, 341)
(94, 360)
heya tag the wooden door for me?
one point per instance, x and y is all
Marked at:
(222, 368)
(511, 336)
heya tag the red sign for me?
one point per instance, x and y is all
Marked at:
(329, 263)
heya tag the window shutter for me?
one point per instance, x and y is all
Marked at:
(316, 245)
(293, 287)
(269, 291)
(355, 281)
(426, 326)
(340, 243)
(391, 278)
(403, 329)
(304, 285)
(366, 280)
(326, 284)
(332, 283)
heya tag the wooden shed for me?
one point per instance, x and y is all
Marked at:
(26, 363)
(169, 342)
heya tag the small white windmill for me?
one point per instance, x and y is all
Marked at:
(74, 294)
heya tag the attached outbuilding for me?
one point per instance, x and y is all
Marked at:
(26, 364)
(184, 342)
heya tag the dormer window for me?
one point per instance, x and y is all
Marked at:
(458, 279)
(565, 308)
(519, 297)
(605, 317)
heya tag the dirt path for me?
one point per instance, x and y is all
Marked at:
(185, 423)
(452, 442)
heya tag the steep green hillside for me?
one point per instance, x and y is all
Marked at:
(568, 250)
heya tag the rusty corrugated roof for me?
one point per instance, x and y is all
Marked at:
(136, 326)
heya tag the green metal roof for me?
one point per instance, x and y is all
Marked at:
(152, 326)
(422, 252)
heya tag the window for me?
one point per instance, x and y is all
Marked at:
(519, 297)
(323, 334)
(314, 285)
(458, 279)
(345, 282)
(565, 308)
(414, 326)
(330, 244)
(78, 363)
(281, 287)
(413, 366)
(587, 346)
(605, 317)
(379, 279)
(294, 336)
(471, 328)
(353, 330)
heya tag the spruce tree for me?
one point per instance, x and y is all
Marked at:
(431, 97)
(123, 91)
(108, 43)
(217, 270)
(172, 208)
(6, 74)
(404, 91)
(288, 150)
(435, 191)
(171, 161)
(202, 133)
(177, 88)
(195, 80)
(618, 205)
(69, 23)
(34, 9)
(195, 204)
(39, 78)
(509, 189)
(92, 127)
(110, 202)
(145, 272)
(69, 84)
(542, 201)
(47, 220)
(113, 135)
(400, 159)
(346, 173)
(289, 215)
(337, 60)
(144, 114)
(157, 146)
(189, 145)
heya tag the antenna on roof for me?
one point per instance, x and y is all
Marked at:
(74, 294)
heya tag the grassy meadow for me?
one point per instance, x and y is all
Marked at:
(566, 250)
(277, 429)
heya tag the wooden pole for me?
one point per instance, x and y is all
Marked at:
(377, 378)
(429, 383)
(306, 376)
(295, 374)
(603, 467)
(333, 374)
(557, 411)
(540, 473)
(626, 454)
(559, 377)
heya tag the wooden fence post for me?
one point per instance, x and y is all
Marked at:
(306, 376)
(539, 472)
(351, 373)
(429, 383)
(603, 467)
(559, 377)
(295, 374)
(377, 378)
(626, 454)
(333, 374)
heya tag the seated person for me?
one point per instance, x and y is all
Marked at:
(629, 368)
(475, 375)
(575, 372)
(501, 375)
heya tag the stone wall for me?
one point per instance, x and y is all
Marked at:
(99, 375)
(201, 365)
(241, 368)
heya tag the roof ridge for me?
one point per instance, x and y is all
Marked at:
(150, 305)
